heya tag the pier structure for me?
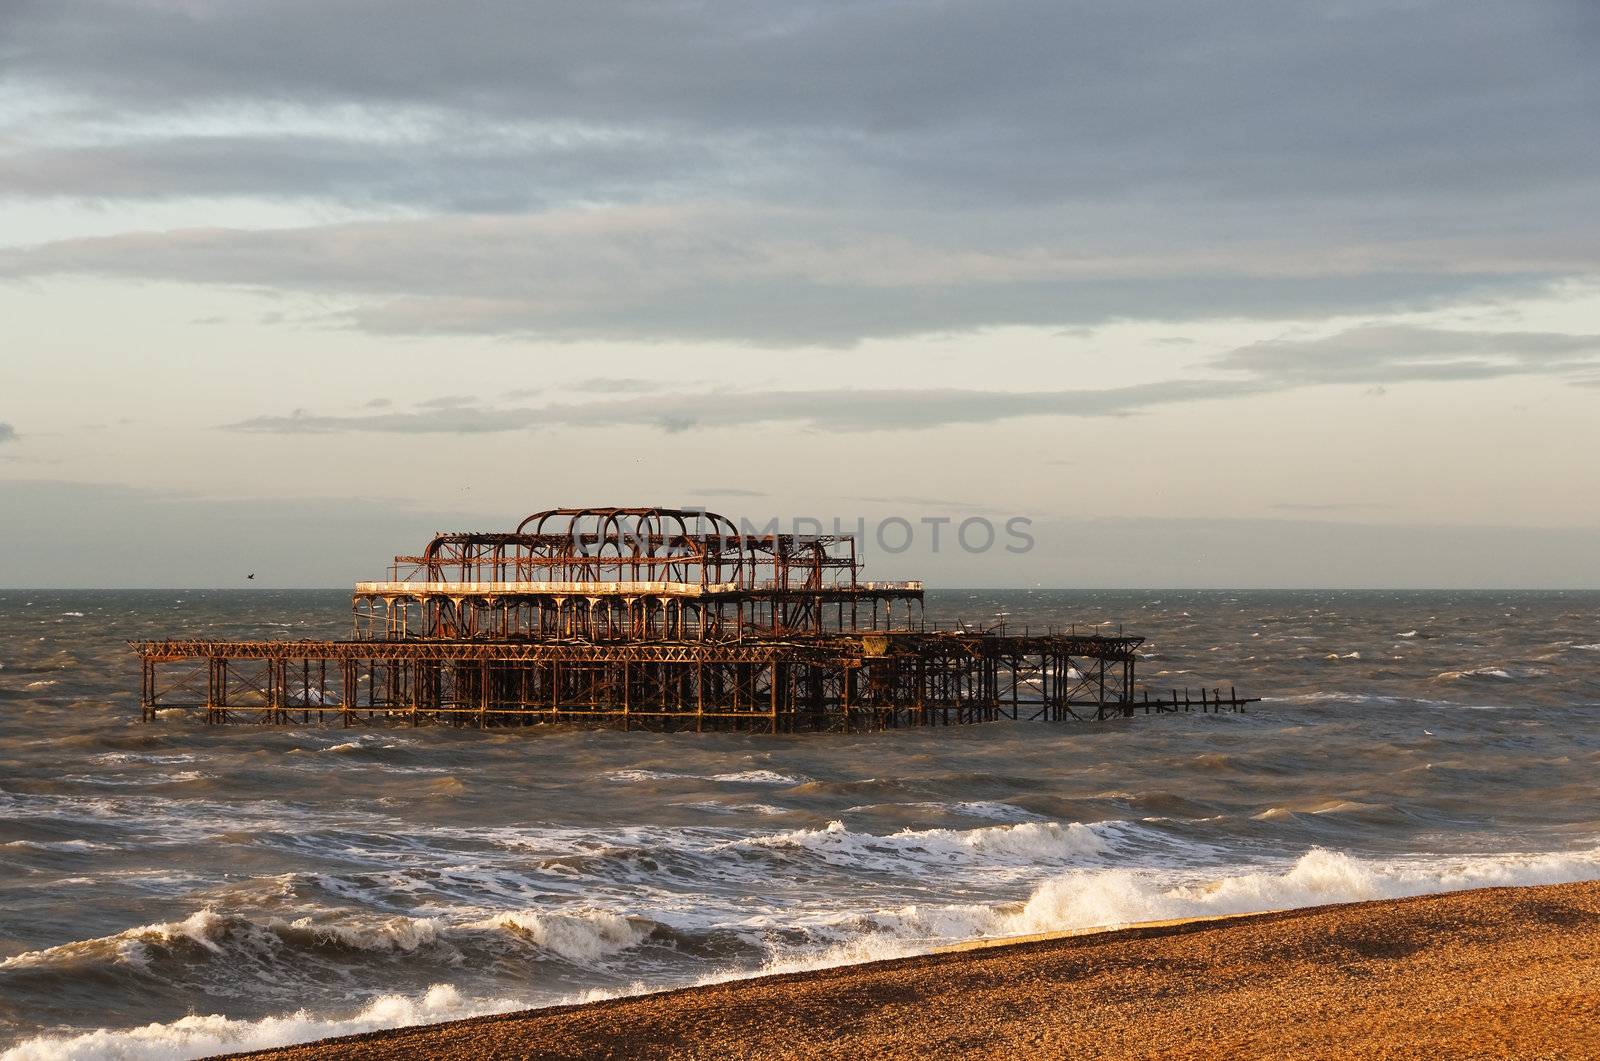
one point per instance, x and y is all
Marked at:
(650, 618)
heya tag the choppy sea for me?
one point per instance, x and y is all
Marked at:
(172, 890)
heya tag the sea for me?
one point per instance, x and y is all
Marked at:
(171, 890)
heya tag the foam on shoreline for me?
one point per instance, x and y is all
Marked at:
(1074, 903)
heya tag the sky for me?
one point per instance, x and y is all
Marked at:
(1216, 293)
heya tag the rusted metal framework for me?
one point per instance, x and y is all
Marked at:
(603, 576)
(654, 618)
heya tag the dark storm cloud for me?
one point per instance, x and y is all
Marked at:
(790, 172)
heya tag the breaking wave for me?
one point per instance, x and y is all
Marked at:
(1025, 841)
(202, 1036)
(739, 777)
(1321, 876)
(1075, 900)
(579, 936)
(1085, 900)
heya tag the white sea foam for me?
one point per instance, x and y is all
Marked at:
(1363, 699)
(715, 807)
(627, 776)
(741, 777)
(1475, 674)
(1107, 898)
(1110, 897)
(578, 935)
(58, 845)
(136, 782)
(1074, 900)
(403, 934)
(1119, 896)
(1025, 842)
(990, 810)
(581, 936)
(760, 777)
(986, 810)
(117, 758)
(201, 1036)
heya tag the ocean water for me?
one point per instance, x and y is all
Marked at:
(173, 890)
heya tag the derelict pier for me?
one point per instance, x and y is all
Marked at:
(649, 618)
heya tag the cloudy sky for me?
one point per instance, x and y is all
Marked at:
(1214, 292)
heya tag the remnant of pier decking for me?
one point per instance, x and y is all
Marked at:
(628, 617)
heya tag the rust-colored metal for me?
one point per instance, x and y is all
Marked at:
(660, 618)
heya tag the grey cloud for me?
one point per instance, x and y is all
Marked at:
(1356, 356)
(1331, 506)
(936, 503)
(814, 164)
(7, 432)
(614, 385)
(437, 172)
(839, 410)
(775, 277)
(1379, 354)
(931, 502)
(448, 420)
(968, 99)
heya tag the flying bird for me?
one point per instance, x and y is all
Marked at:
(251, 575)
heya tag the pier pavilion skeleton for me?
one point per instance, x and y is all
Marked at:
(653, 618)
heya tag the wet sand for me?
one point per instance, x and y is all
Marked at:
(1503, 972)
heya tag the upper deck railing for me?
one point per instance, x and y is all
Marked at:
(618, 589)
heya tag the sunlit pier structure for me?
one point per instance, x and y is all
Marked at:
(650, 618)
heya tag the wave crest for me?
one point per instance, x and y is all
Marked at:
(1019, 842)
(585, 936)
